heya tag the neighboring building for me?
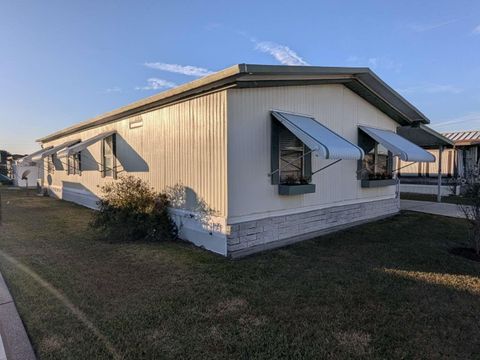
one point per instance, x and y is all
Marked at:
(3, 162)
(280, 153)
(460, 157)
(8, 168)
(11, 161)
(467, 146)
(26, 173)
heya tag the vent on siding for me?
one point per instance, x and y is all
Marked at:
(136, 122)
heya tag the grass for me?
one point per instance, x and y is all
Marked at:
(384, 290)
(451, 199)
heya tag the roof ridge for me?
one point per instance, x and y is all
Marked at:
(360, 80)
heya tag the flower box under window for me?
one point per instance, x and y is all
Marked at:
(368, 183)
(296, 189)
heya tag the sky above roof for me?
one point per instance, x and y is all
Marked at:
(62, 62)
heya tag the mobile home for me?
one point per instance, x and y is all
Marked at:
(457, 158)
(279, 153)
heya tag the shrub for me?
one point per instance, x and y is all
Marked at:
(471, 190)
(130, 210)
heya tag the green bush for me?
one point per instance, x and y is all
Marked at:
(130, 210)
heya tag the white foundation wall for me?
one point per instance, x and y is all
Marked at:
(184, 143)
(250, 192)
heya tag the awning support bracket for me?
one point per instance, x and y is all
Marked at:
(326, 166)
(291, 162)
(313, 173)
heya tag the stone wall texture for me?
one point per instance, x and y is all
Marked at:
(265, 233)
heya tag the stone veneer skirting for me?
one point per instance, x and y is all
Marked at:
(267, 233)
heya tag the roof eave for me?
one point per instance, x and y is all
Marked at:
(362, 81)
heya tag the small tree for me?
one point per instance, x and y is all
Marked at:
(471, 191)
(130, 210)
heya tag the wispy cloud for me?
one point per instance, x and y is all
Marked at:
(469, 121)
(476, 30)
(379, 62)
(114, 89)
(283, 54)
(179, 69)
(432, 89)
(156, 84)
(430, 26)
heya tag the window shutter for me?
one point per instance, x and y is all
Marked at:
(275, 153)
(79, 159)
(307, 163)
(287, 139)
(114, 156)
(102, 154)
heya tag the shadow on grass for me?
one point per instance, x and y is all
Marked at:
(388, 289)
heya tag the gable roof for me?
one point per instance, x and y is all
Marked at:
(464, 137)
(362, 81)
(424, 136)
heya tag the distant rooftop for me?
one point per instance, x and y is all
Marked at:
(470, 137)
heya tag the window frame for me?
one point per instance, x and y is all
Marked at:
(113, 156)
(74, 164)
(367, 143)
(50, 164)
(275, 153)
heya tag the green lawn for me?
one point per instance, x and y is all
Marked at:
(384, 290)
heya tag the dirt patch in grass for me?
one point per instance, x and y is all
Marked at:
(231, 306)
(52, 343)
(467, 253)
(251, 320)
(353, 342)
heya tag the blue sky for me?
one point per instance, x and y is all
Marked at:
(62, 62)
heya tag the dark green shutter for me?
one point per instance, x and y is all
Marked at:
(390, 163)
(275, 152)
(79, 160)
(102, 154)
(307, 164)
(114, 156)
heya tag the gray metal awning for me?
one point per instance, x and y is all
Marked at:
(320, 139)
(54, 150)
(84, 144)
(34, 155)
(398, 146)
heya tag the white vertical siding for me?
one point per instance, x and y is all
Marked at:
(181, 143)
(250, 190)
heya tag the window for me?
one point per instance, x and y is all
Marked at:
(108, 157)
(378, 161)
(74, 164)
(290, 158)
(50, 164)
